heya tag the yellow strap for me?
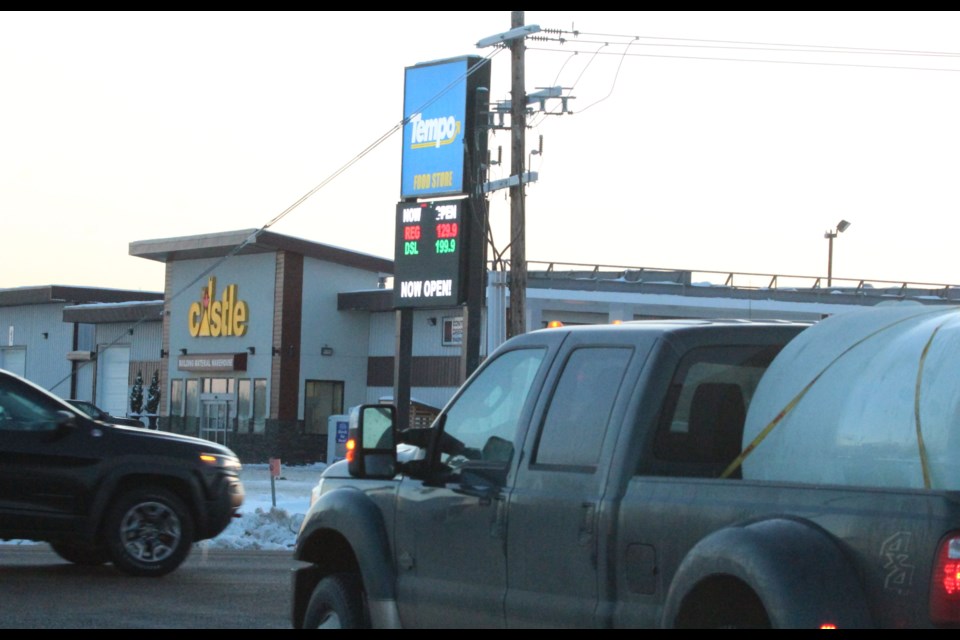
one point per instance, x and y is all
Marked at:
(767, 429)
(793, 403)
(924, 462)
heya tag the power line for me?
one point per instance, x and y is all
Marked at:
(722, 59)
(753, 44)
(833, 50)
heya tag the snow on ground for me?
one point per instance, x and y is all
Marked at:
(272, 512)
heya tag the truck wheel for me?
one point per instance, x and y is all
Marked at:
(336, 603)
(148, 532)
(81, 554)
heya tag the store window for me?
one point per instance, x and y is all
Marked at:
(259, 405)
(321, 399)
(219, 385)
(244, 405)
(176, 398)
(192, 406)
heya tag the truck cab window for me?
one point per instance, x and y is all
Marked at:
(482, 422)
(700, 429)
(576, 422)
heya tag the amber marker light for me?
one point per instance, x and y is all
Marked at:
(351, 447)
(553, 324)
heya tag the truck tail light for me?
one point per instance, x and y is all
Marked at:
(945, 582)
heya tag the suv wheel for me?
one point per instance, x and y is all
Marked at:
(148, 532)
(336, 603)
(81, 554)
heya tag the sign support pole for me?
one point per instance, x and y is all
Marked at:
(476, 285)
(402, 365)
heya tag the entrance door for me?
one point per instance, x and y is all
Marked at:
(215, 417)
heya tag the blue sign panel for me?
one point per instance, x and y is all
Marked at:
(435, 113)
(343, 430)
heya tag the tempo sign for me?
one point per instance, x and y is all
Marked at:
(440, 114)
(430, 254)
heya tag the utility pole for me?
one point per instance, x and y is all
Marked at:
(518, 126)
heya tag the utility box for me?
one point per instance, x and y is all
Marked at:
(338, 429)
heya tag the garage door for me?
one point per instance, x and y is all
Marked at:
(14, 361)
(113, 365)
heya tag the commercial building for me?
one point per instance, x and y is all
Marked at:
(259, 338)
(43, 339)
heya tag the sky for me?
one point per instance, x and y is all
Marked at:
(709, 141)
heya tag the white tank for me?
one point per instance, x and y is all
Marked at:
(868, 397)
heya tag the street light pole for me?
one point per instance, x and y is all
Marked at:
(830, 235)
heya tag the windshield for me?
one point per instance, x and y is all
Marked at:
(86, 407)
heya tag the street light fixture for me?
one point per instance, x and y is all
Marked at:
(842, 226)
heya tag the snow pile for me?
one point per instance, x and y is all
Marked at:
(271, 514)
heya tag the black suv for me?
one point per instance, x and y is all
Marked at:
(99, 492)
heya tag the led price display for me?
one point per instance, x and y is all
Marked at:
(428, 258)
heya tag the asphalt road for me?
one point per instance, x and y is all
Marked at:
(213, 589)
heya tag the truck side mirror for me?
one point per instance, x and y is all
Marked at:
(371, 447)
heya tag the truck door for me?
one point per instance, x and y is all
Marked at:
(451, 528)
(555, 507)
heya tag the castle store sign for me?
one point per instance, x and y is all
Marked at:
(213, 318)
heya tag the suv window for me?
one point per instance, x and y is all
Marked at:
(579, 412)
(24, 409)
(485, 416)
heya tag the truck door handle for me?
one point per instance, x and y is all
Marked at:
(498, 530)
(484, 495)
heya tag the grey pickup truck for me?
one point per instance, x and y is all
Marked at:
(591, 477)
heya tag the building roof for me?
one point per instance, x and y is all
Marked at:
(114, 312)
(252, 241)
(369, 300)
(50, 294)
(638, 286)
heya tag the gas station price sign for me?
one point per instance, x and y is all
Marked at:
(429, 256)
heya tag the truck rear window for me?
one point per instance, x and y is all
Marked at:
(700, 426)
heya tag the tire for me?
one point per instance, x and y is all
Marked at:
(87, 556)
(148, 532)
(336, 603)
